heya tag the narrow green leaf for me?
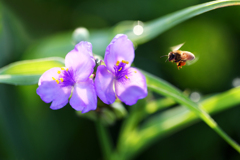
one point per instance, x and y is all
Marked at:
(61, 44)
(28, 72)
(19, 79)
(158, 26)
(164, 88)
(135, 141)
(176, 119)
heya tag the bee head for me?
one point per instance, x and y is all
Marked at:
(171, 56)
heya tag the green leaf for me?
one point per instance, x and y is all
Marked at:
(213, 104)
(158, 26)
(19, 80)
(61, 44)
(28, 72)
(176, 119)
(166, 89)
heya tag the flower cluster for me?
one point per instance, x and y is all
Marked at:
(116, 79)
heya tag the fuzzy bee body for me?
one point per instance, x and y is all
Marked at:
(180, 57)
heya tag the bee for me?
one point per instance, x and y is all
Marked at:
(179, 57)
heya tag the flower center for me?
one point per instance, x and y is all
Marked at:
(66, 77)
(120, 70)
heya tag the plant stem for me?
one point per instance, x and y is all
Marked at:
(104, 139)
(205, 117)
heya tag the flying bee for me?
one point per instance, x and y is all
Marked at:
(178, 56)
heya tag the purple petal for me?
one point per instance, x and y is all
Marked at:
(131, 89)
(84, 96)
(47, 76)
(50, 91)
(104, 85)
(61, 97)
(80, 60)
(84, 47)
(120, 48)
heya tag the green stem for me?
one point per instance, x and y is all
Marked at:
(206, 118)
(104, 139)
(227, 138)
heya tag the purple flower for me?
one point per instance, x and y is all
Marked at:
(57, 84)
(117, 78)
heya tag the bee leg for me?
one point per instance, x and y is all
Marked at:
(178, 65)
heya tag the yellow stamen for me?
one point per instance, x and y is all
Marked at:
(59, 72)
(62, 68)
(117, 63)
(135, 71)
(123, 61)
(61, 79)
(53, 78)
(67, 69)
(126, 76)
(120, 69)
(57, 81)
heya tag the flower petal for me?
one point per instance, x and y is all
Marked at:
(84, 47)
(50, 91)
(130, 89)
(104, 85)
(120, 48)
(84, 97)
(80, 60)
(47, 76)
(61, 97)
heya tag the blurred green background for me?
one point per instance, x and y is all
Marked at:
(30, 130)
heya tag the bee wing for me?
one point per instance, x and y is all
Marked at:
(192, 61)
(175, 48)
